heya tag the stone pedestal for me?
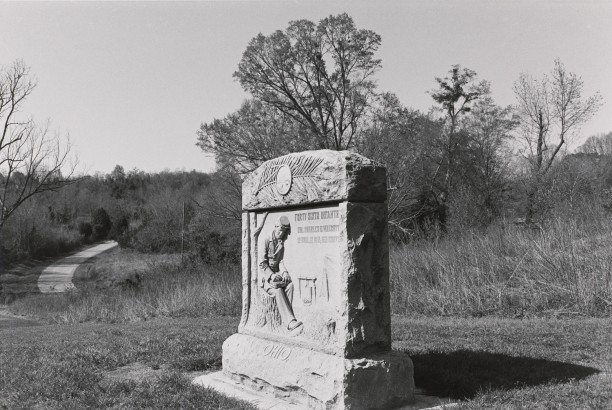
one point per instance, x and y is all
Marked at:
(318, 219)
(317, 380)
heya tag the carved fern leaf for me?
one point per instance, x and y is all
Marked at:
(302, 167)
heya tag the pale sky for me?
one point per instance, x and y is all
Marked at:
(132, 82)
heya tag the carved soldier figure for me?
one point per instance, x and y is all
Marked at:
(274, 277)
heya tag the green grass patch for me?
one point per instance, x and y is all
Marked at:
(65, 366)
(504, 363)
(483, 363)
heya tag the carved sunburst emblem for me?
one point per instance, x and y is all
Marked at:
(283, 179)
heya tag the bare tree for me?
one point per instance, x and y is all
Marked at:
(486, 158)
(318, 74)
(400, 138)
(255, 133)
(32, 158)
(222, 199)
(551, 110)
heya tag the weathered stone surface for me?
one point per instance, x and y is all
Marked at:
(343, 250)
(316, 177)
(316, 321)
(365, 276)
(234, 388)
(318, 380)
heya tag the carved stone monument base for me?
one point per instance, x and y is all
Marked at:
(317, 380)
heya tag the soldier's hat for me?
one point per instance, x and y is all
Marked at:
(283, 222)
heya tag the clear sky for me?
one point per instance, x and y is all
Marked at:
(132, 82)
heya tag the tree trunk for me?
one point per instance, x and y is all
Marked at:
(268, 315)
(532, 195)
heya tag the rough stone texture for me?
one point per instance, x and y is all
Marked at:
(359, 309)
(260, 400)
(365, 275)
(317, 380)
(318, 177)
(338, 259)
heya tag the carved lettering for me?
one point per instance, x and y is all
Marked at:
(313, 216)
(330, 214)
(318, 239)
(277, 352)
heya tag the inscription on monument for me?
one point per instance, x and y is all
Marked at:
(328, 232)
(306, 259)
(277, 352)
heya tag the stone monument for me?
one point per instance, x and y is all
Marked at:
(315, 329)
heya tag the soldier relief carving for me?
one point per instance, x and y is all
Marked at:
(294, 260)
(274, 278)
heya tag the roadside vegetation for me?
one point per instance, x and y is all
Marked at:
(129, 286)
(563, 270)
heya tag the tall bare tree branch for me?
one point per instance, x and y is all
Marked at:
(32, 158)
(551, 111)
(319, 75)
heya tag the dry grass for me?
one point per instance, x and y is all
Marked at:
(127, 286)
(562, 269)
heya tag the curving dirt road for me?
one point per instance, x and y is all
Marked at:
(54, 278)
(58, 276)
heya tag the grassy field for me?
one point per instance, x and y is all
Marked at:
(484, 363)
(75, 366)
(511, 364)
(564, 269)
(506, 319)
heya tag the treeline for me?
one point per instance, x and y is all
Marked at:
(151, 212)
(466, 163)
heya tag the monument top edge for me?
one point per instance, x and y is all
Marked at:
(328, 154)
(312, 177)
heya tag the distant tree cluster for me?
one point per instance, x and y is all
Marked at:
(597, 144)
(151, 212)
(466, 163)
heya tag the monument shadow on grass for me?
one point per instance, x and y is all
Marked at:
(462, 374)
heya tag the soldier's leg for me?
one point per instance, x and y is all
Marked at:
(289, 293)
(284, 304)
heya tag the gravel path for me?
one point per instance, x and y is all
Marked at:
(58, 277)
